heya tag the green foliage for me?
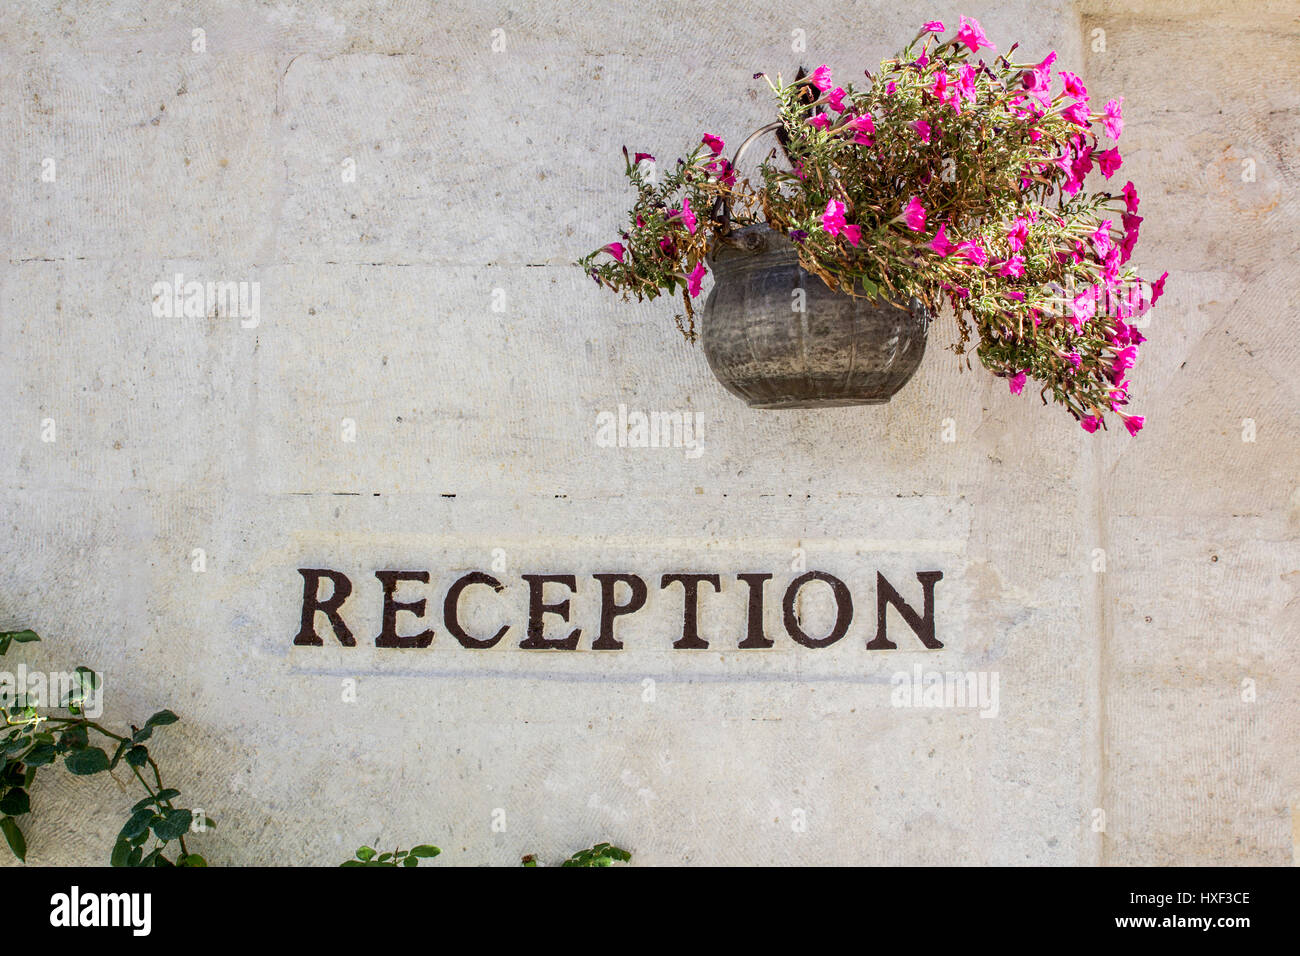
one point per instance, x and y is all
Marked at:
(368, 856)
(602, 854)
(156, 827)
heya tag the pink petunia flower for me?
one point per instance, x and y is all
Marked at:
(821, 121)
(1017, 383)
(641, 157)
(1134, 423)
(1074, 86)
(688, 217)
(966, 82)
(833, 217)
(1125, 358)
(836, 99)
(940, 243)
(932, 26)
(1018, 234)
(922, 129)
(1013, 267)
(1090, 423)
(615, 249)
(1038, 81)
(1078, 113)
(694, 280)
(890, 87)
(852, 233)
(821, 78)
(1109, 160)
(713, 143)
(1158, 287)
(973, 251)
(1131, 197)
(1113, 123)
(914, 215)
(972, 34)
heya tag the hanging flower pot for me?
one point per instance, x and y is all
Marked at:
(779, 337)
(944, 179)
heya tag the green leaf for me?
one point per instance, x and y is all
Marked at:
(14, 837)
(40, 755)
(87, 761)
(16, 802)
(19, 637)
(192, 859)
(137, 824)
(172, 824)
(141, 735)
(410, 861)
(121, 850)
(425, 851)
(137, 756)
(365, 854)
(161, 719)
(74, 738)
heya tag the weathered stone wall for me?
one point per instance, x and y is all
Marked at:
(479, 176)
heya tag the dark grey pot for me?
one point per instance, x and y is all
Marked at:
(840, 350)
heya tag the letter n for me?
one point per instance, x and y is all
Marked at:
(922, 624)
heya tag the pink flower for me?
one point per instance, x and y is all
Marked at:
(966, 82)
(1101, 239)
(1017, 383)
(852, 233)
(890, 87)
(640, 157)
(688, 217)
(972, 34)
(1134, 423)
(726, 173)
(821, 78)
(713, 143)
(923, 60)
(1158, 287)
(1073, 85)
(973, 252)
(1125, 358)
(833, 217)
(1109, 160)
(1078, 113)
(1131, 225)
(821, 121)
(615, 249)
(836, 99)
(1038, 81)
(1113, 124)
(940, 243)
(946, 92)
(695, 278)
(914, 215)
(1090, 423)
(1131, 197)
(1083, 307)
(932, 26)
(1018, 234)
(669, 246)
(923, 130)
(1013, 267)
(1074, 359)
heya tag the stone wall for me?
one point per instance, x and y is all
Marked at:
(420, 390)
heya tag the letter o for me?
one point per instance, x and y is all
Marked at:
(843, 609)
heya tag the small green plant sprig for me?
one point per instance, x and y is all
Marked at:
(368, 856)
(156, 825)
(602, 854)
